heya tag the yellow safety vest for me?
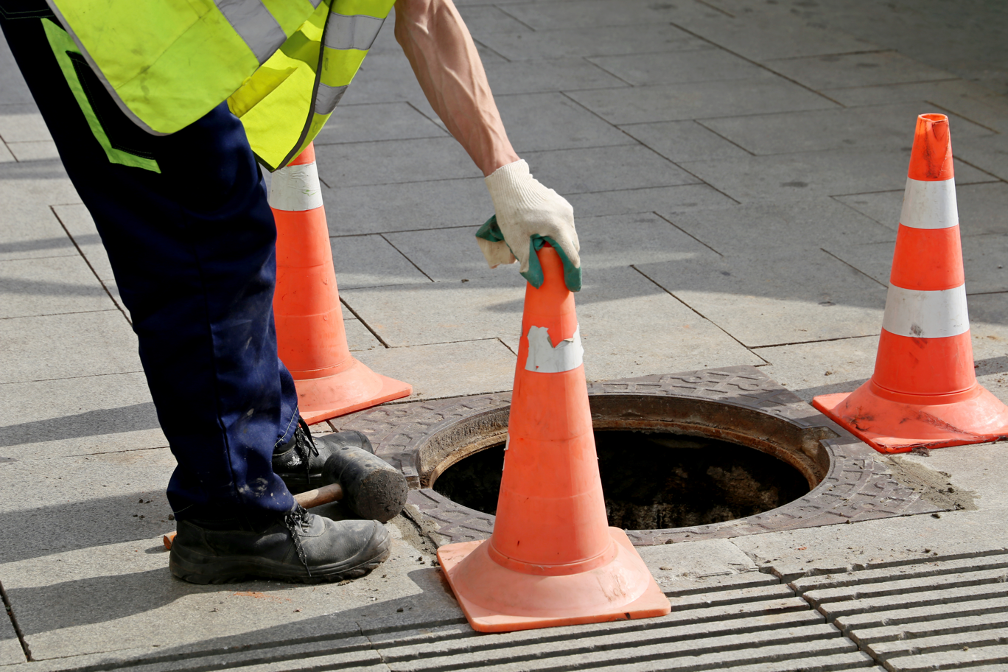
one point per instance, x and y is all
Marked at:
(282, 65)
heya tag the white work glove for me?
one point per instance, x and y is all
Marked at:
(527, 212)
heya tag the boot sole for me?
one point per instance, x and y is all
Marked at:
(198, 568)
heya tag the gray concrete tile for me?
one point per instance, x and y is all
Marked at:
(814, 222)
(26, 186)
(440, 312)
(66, 346)
(554, 74)
(32, 231)
(447, 369)
(676, 563)
(779, 35)
(394, 162)
(33, 151)
(775, 297)
(871, 128)
(22, 123)
(595, 40)
(789, 176)
(370, 261)
(488, 19)
(989, 154)
(378, 121)
(982, 207)
(387, 78)
(358, 336)
(865, 69)
(12, 85)
(825, 367)
(984, 258)
(10, 648)
(706, 65)
(592, 13)
(453, 256)
(49, 285)
(577, 171)
(78, 416)
(684, 141)
(543, 121)
(81, 226)
(665, 199)
(5, 154)
(409, 206)
(698, 100)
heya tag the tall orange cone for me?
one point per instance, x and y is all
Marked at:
(924, 391)
(552, 559)
(311, 340)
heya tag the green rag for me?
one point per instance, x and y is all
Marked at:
(572, 274)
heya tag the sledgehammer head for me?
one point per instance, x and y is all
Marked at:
(372, 488)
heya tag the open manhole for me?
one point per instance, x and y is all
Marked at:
(704, 454)
(653, 480)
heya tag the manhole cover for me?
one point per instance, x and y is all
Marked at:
(653, 480)
(738, 406)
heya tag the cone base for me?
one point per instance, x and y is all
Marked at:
(497, 599)
(356, 387)
(898, 427)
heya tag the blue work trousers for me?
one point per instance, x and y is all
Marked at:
(191, 239)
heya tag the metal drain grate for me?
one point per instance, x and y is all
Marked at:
(945, 613)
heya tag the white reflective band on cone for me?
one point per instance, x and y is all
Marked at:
(929, 205)
(917, 314)
(255, 24)
(296, 188)
(544, 358)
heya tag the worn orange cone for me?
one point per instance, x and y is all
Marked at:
(552, 559)
(311, 340)
(924, 391)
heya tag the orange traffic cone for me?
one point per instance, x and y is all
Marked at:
(552, 559)
(311, 340)
(924, 391)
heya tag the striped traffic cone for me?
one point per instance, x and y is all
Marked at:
(553, 559)
(924, 391)
(311, 339)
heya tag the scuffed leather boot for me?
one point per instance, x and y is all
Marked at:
(299, 462)
(298, 547)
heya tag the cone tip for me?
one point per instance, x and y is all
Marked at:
(931, 157)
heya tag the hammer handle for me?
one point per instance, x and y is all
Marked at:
(316, 497)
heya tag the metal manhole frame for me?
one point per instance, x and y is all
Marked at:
(424, 438)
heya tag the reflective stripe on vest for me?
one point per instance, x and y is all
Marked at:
(255, 24)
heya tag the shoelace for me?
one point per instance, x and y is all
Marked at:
(303, 444)
(298, 517)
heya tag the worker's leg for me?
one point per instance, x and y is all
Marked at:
(190, 237)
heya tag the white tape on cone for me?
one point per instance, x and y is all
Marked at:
(918, 314)
(929, 205)
(296, 188)
(544, 358)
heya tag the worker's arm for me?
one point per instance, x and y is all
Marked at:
(444, 59)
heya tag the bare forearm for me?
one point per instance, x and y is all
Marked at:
(448, 67)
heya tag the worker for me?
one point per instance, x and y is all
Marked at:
(162, 113)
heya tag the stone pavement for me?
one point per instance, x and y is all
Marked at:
(736, 169)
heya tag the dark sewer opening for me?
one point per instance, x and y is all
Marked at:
(653, 481)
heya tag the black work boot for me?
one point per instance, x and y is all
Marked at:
(299, 547)
(299, 462)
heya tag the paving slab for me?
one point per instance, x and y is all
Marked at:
(545, 121)
(989, 154)
(594, 40)
(811, 222)
(407, 207)
(26, 186)
(663, 199)
(576, 171)
(11, 652)
(359, 337)
(773, 298)
(33, 231)
(33, 151)
(386, 77)
(446, 369)
(377, 121)
(684, 141)
(837, 172)
(22, 123)
(12, 84)
(78, 223)
(870, 128)
(5, 154)
(699, 100)
(487, 19)
(371, 261)
(31, 288)
(592, 13)
(94, 414)
(708, 65)
(555, 74)
(823, 367)
(394, 162)
(35, 348)
(678, 565)
(871, 69)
